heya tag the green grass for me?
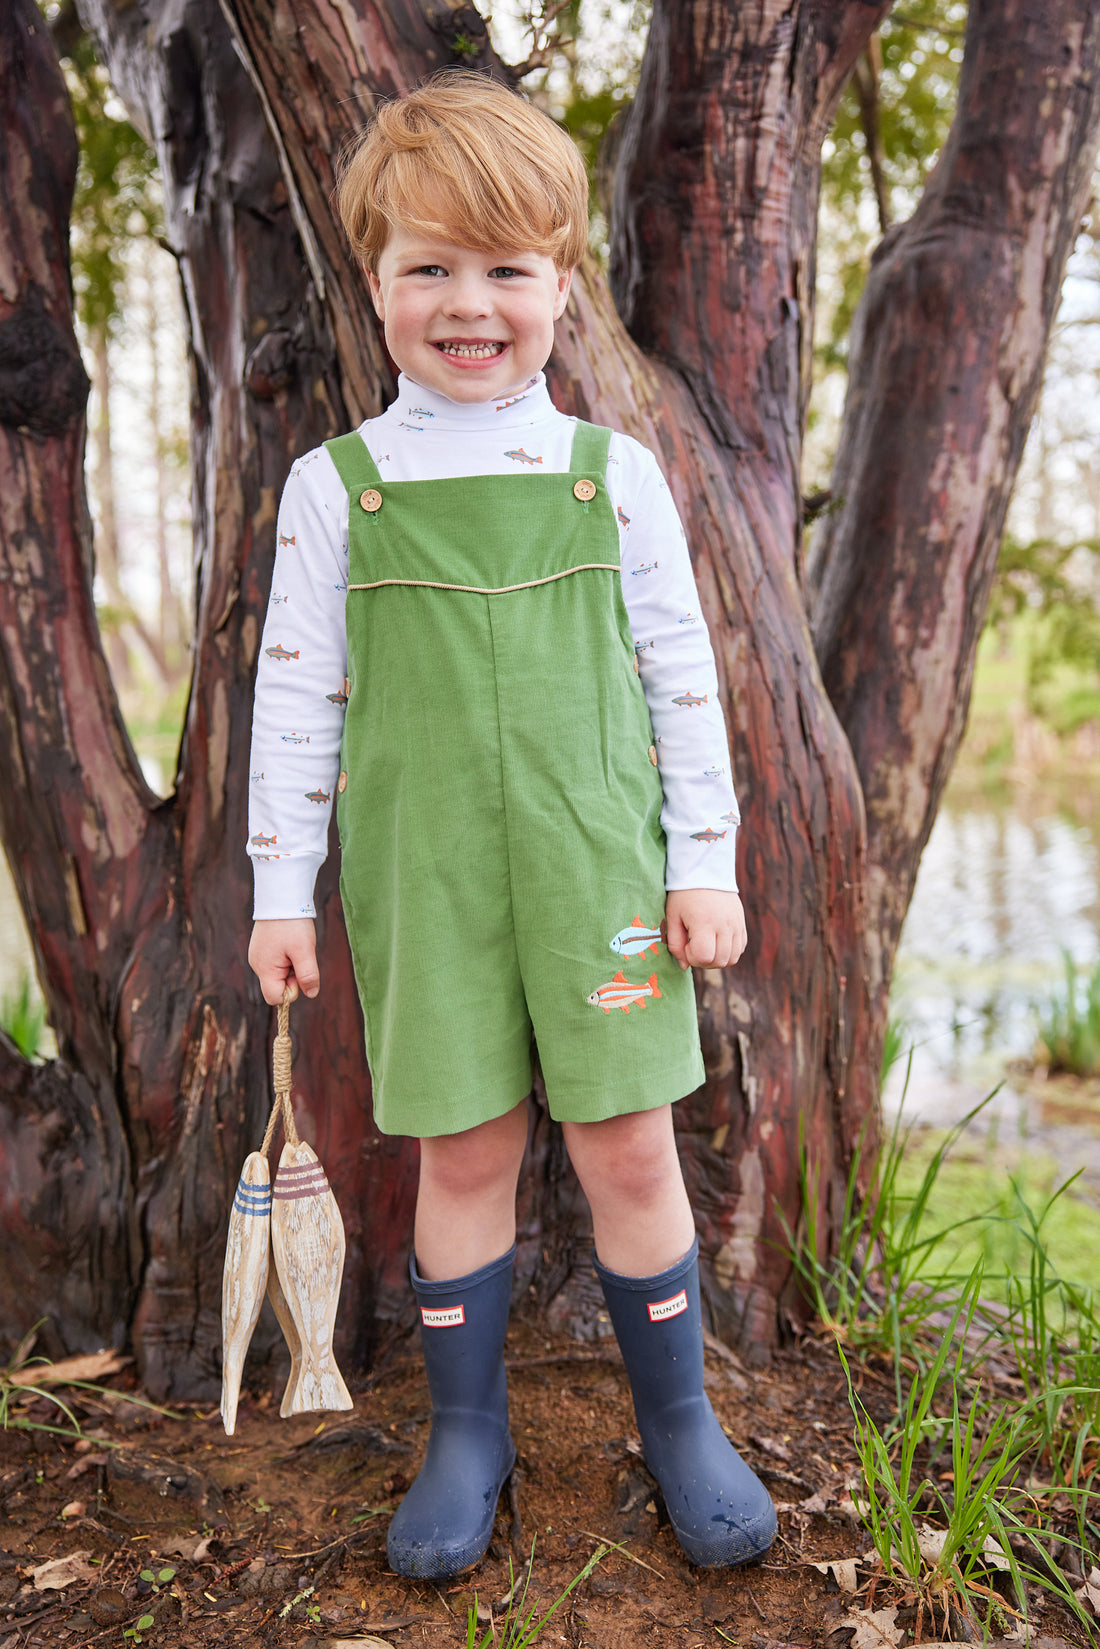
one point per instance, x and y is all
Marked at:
(968, 1495)
(949, 1172)
(519, 1626)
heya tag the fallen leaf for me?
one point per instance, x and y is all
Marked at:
(843, 1571)
(75, 1508)
(353, 1643)
(86, 1463)
(93, 1366)
(192, 1547)
(874, 1627)
(60, 1572)
(1090, 1592)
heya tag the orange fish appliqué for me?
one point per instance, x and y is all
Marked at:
(620, 993)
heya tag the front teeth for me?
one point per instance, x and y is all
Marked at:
(479, 351)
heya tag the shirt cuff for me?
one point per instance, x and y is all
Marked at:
(691, 864)
(284, 887)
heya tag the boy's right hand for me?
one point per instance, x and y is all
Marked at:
(284, 953)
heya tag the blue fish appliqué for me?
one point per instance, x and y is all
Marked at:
(637, 939)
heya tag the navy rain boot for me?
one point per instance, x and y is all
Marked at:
(445, 1521)
(720, 1511)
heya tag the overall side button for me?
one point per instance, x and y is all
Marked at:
(371, 500)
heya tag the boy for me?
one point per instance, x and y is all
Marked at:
(484, 637)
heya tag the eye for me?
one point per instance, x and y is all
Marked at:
(428, 269)
(505, 272)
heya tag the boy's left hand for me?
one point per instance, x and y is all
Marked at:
(706, 927)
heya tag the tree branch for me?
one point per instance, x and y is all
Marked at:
(946, 365)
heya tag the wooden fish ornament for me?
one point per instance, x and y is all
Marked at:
(277, 1300)
(245, 1276)
(307, 1238)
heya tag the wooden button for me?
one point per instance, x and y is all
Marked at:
(584, 490)
(637, 668)
(653, 754)
(371, 500)
(342, 783)
(347, 687)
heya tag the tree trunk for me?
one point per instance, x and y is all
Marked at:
(139, 909)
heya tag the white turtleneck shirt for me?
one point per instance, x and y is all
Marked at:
(299, 711)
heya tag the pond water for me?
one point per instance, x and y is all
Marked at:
(1007, 887)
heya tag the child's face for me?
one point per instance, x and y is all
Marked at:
(472, 325)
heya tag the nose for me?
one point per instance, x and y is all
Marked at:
(468, 297)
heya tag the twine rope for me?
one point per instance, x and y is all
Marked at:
(280, 1064)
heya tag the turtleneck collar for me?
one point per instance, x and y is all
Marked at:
(426, 409)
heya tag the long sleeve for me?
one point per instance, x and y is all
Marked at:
(298, 716)
(676, 664)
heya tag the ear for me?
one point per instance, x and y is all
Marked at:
(374, 286)
(561, 297)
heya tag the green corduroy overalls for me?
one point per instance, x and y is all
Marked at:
(499, 805)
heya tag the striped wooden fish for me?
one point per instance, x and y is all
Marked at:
(307, 1237)
(277, 1300)
(244, 1278)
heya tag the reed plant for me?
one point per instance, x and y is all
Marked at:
(1069, 1026)
(881, 1286)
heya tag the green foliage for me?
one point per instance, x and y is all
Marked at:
(23, 1018)
(1069, 1027)
(117, 191)
(1050, 588)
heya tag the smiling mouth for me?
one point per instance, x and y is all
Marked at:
(480, 351)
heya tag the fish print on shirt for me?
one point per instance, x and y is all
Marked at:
(637, 939)
(299, 466)
(713, 772)
(688, 618)
(624, 520)
(279, 600)
(522, 457)
(707, 835)
(337, 698)
(283, 539)
(418, 412)
(280, 652)
(418, 428)
(256, 778)
(502, 406)
(640, 647)
(642, 568)
(731, 818)
(318, 796)
(294, 738)
(620, 993)
(687, 700)
(260, 840)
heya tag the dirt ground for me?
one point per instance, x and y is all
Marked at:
(276, 1536)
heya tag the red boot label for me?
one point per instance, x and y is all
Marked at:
(660, 1309)
(452, 1316)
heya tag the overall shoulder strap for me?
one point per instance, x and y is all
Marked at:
(354, 464)
(590, 444)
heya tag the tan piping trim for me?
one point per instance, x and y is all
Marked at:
(477, 589)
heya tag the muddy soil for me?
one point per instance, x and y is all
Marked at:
(276, 1536)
